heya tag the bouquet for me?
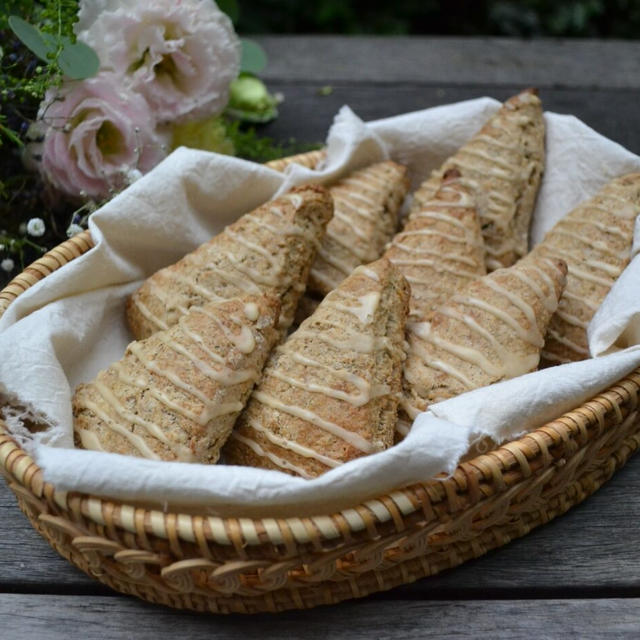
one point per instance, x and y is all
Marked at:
(95, 94)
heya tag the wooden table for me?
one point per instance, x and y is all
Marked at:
(577, 577)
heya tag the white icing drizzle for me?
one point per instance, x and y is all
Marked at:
(436, 265)
(590, 304)
(599, 245)
(277, 460)
(364, 389)
(355, 440)
(364, 309)
(590, 277)
(251, 311)
(368, 272)
(134, 440)
(568, 343)
(146, 312)
(128, 417)
(242, 341)
(293, 446)
(427, 252)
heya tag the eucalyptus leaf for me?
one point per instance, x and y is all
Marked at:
(78, 61)
(230, 7)
(32, 38)
(254, 58)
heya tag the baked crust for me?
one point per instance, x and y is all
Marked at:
(491, 330)
(269, 250)
(503, 163)
(330, 393)
(595, 240)
(440, 248)
(310, 159)
(177, 394)
(366, 206)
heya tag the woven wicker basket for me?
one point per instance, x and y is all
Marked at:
(249, 565)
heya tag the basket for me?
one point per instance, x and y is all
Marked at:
(247, 565)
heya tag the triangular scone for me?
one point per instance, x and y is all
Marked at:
(491, 330)
(310, 159)
(504, 162)
(268, 251)
(595, 241)
(177, 394)
(366, 205)
(440, 248)
(330, 393)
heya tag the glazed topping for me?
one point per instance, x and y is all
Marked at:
(343, 322)
(176, 370)
(498, 354)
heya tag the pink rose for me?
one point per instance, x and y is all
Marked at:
(95, 134)
(180, 54)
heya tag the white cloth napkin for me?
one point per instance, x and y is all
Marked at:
(67, 327)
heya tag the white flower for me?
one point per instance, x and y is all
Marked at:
(36, 227)
(72, 229)
(1, 247)
(7, 265)
(182, 56)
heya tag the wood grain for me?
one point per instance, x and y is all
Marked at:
(96, 618)
(593, 64)
(611, 113)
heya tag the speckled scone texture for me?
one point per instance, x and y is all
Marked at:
(440, 248)
(595, 240)
(176, 395)
(491, 330)
(311, 159)
(269, 250)
(504, 163)
(330, 393)
(366, 205)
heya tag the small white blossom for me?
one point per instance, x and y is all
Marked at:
(7, 264)
(181, 56)
(1, 247)
(72, 229)
(133, 175)
(36, 227)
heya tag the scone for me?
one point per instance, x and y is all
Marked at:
(595, 240)
(311, 160)
(365, 217)
(440, 248)
(177, 394)
(330, 393)
(269, 250)
(491, 330)
(503, 163)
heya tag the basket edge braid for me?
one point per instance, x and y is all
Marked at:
(271, 564)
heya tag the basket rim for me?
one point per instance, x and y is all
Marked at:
(480, 477)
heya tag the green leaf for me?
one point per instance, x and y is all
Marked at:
(230, 7)
(254, 58)
(31, 37)
(78, 61)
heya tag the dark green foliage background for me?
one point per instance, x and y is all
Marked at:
(528, 18)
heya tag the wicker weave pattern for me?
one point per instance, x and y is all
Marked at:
(249, 565)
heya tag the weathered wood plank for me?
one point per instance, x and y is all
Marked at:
(95, 618)
(306, 115)
(592, 549)
(495, 61)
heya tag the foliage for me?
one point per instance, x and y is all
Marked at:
(567, 18)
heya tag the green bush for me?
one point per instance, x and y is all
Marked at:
(552, 18)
